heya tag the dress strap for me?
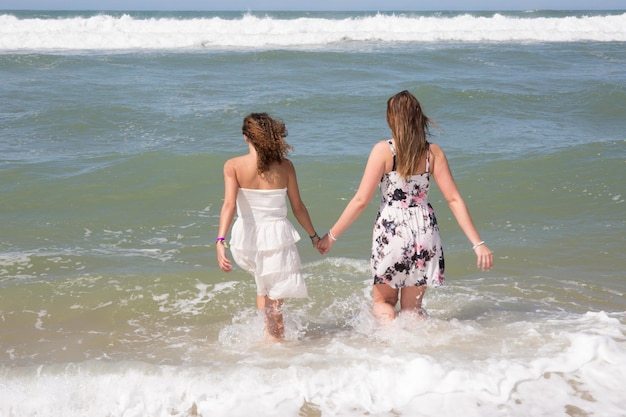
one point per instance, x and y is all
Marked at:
(393, 151)
(428, 159)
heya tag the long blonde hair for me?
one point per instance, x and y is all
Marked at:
(410, 128)
(267, 136)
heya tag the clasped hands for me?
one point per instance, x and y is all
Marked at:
(323, 244)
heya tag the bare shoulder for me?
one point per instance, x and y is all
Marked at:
(286, 175)
(434, 148)
(381, 156)
(436, 152)
(230, 164)
(381, 150)
(238, 167)
(285, 167)
(383, 144)
(438, 160)
(237, 161)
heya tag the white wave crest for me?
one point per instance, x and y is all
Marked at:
(106, 32)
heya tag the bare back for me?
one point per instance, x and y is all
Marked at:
(248, 177)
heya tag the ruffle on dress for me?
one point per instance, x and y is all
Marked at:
(276, 272)
(263, 236)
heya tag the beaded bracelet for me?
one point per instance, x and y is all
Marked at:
(221, 240)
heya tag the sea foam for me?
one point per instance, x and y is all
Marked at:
(343, 377)
(125, 32)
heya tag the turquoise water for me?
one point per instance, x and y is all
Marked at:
(111, 182)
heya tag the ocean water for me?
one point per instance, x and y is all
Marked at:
(114, 130)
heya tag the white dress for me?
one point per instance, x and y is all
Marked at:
(263, 242)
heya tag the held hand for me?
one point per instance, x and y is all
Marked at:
(222, 259)
(325, 244)
(316, 241)
(484, 257)
(318, 246)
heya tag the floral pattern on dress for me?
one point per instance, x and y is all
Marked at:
(406, 245)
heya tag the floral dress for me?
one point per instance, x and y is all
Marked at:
(406, 245)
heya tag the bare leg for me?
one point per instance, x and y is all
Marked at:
(385, 300)
(274, 325)
(260, 302)
(411, 299)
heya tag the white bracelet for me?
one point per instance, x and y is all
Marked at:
(482, 242)
(330, 234)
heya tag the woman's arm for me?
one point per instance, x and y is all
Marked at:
(297, 205)
(372, 174)
(231, 186)
(443, 177)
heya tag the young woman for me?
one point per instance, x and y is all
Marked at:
(263, 240)
(407, 253)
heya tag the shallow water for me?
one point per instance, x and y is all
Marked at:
(111, 302)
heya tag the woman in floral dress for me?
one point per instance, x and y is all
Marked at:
(407, 254)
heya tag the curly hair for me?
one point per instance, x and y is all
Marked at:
(267, 135)
(410, 129)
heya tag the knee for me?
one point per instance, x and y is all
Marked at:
(384, 295)
(391, 300)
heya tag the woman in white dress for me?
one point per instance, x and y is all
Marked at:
(263, 240)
